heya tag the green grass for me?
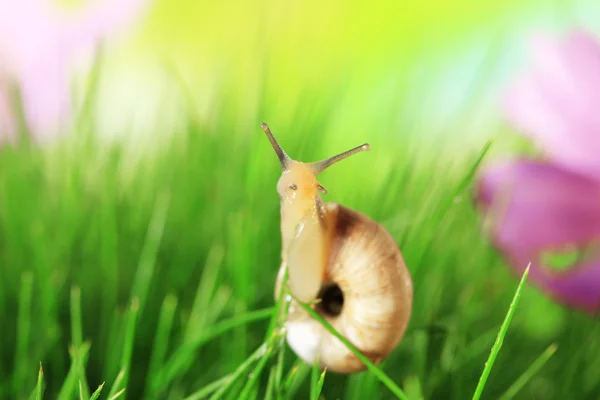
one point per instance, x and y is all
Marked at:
(500, 339)
(155, 278)
(512, 391)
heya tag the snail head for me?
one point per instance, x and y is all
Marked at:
(298, 180)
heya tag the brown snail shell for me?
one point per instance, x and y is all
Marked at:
(366, 295)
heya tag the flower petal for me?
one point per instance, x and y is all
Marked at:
(45, 94)
(83, 28)
(38, 44)
(36, 61)
(554, 103)
(535, 207)
(579, 287)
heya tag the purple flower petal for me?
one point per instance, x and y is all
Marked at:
(37, 64)
(555, 102)
(85, 27)
(45, 92)
(535, 207)
(38, 42)
(579, 287)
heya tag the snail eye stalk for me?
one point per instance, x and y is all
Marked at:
(284, 159)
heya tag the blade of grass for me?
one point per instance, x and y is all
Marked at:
(500, 338)
(76, 331)
(469, 176)
(412, 386)
(117, 383)
(280, 388)
(23, 332)
(314, 379)
(255, 375)
(277, 321)
(80, 363)
(70, 383)
(77, 339)
(253, 394)
(446, 204)
(474, 349)
(97, 393)
(205, 291)
(258, 353)
(147, 262)
(173, 367)
(360, 385)
(115, 335)
(382, 376)
(40, 384)
(270, 385)
(321, 383)
(208, 389)
(117, 395)
(291, 375)
(209, 302)
(317, 381)
(294, 384)
(529, 373)
(161, 341)
(128, 342)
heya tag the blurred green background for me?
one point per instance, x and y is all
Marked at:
(167, 195)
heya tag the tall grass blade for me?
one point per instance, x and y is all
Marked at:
(23, 333)
(76, 330)
(291, 375)
(317, 380)
(314, 379)
(117, 395)
(255, 374)
(161, 341)
(512, 391)
(206, 288)
(320, 383)
(296, 381)
(129, 339)
(145, 270)
(117, 384)
(176, 363)
(77, 339)
(258, 353)
(270, 385)
(97, 393)
(448, 201)
(278, 319)
(279, 381)
(500, 338)
(39, 389)
(413, 389)
(78, 357)
(208, 389)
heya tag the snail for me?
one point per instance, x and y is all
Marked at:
(346, 265)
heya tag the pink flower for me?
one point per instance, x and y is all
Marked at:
(540, 206)
(38, 42)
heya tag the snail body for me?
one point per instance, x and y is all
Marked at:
(346, 261)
